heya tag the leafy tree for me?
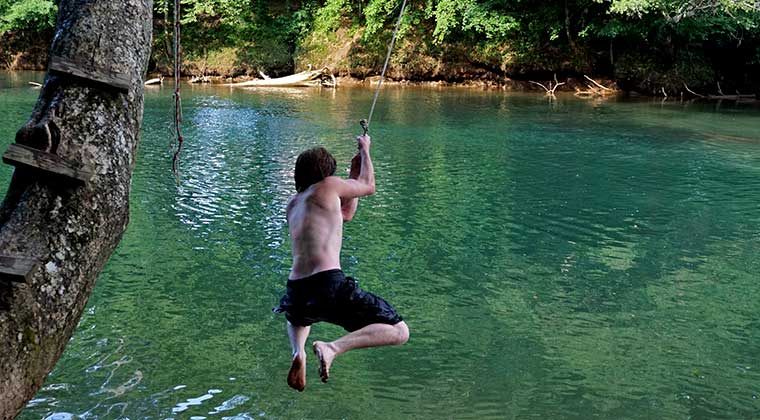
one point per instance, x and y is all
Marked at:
(656, 40)
(34, 15)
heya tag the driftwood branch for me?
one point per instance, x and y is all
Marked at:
(597, 83)
(691, 91)
(595, 89)
(552, 88)
(539, 84)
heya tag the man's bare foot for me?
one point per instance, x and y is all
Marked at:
(297, 373)
(325, 354)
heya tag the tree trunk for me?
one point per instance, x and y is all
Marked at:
(70, 227)
(568, 32)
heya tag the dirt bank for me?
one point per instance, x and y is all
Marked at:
(25, 51)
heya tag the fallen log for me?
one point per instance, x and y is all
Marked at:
(730, 97)
(721, 96)
(322, 77)
(155, 81)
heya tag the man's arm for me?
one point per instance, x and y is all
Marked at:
(364, 184)
(348, 205)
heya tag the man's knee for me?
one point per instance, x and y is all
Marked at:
(402, 333)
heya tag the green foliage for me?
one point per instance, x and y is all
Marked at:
(513, 36)
(472, 17)
(32, 15)
(329, 16)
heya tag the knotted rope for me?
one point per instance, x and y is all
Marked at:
(177, 100)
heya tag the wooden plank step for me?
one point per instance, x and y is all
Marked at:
(63, 65)
(18, 154)
(17, 269)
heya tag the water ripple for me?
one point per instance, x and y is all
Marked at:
(576, 260)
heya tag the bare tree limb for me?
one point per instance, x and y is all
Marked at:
(540, 84)
(596, 83)
(552, 88)
(691, 91)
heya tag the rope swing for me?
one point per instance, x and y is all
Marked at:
(178, 139)
(365, 123)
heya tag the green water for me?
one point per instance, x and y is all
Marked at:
(573, 261)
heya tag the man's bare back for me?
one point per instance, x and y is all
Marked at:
(317, 288)
(316, 215)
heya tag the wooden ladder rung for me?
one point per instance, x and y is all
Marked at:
(17, 269)
(18, 154)
(63, 65)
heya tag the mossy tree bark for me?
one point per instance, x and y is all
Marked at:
(71, 228)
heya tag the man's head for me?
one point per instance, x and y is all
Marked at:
(313, 166)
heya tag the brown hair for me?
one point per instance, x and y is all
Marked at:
(313, 166)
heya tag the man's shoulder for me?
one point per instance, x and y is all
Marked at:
(331, 183)
(326, 188)
(333, 179)
(291, 201)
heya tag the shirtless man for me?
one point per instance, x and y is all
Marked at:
(317, 289)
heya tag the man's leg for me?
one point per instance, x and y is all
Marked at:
(297, 373)
(373, 335)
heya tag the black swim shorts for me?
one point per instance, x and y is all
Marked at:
(331, 296)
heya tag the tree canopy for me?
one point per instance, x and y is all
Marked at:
(651, 41)
(31, 15)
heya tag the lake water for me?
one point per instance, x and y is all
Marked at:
(573, 260)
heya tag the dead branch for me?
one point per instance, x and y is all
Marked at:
(556, 83)
(691, 91)
(551, 89)
(540, 84)
(597, 83)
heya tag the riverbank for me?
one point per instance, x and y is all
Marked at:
(647, 48)
(225, 66)
(568, 85)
